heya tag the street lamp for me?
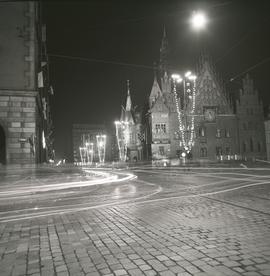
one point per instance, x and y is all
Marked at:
(90, 152)
(198, 20)
(185, 107)
(123, 136)
(83, 154)
(101, 145)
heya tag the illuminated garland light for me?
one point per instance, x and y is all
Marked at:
(185, 142)
(123, 137)
(101, 145)
(90, 152)
(83, 155)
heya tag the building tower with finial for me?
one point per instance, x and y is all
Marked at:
(130, 117)
(221, 133)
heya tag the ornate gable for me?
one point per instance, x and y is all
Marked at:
(159, 106)
(155, 92)
(210, 92)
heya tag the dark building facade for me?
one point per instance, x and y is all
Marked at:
(223, 128)
(25, 121)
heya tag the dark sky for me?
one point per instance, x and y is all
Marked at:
(120, 40)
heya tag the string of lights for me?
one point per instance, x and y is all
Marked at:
(122, 136)
(186, 141)
(101, 145)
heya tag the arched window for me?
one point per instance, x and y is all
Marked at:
(203, 152)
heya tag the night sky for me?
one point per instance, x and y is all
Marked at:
(119, 40)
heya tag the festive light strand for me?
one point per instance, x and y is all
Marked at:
(185, 141)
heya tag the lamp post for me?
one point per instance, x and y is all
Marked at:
(101, 145)
(122, 135)
(90, 152)
(83, 155)
(185, 107)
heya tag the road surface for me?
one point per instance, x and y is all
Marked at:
(139, 221)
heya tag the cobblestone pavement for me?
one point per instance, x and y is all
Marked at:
(165, 222)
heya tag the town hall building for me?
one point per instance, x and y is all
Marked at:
(224, 128)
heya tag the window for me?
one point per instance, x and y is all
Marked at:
(251, 144)
(218, 133)
(160, 128)
(228, 151)
(218, 151)
(244, 147)
(163, 128)
(203, 152)
(157, 128)
(227, 133)
(201, 132)
(161, 150)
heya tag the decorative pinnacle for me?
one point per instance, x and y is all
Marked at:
(128, 88)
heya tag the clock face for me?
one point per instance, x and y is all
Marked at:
(210, 115)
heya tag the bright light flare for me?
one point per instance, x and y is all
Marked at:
(198, 20)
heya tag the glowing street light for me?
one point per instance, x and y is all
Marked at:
(101, 145)
(90, 152)
(123, 135)
(83, 154)
(198, 20)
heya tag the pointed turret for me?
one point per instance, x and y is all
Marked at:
(126, 114)
(128, 103)
(164, 53)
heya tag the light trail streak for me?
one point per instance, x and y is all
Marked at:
(107, 178)
(72, 208)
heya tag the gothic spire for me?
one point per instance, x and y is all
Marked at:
(164, 52)
(128, 102)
